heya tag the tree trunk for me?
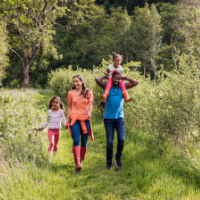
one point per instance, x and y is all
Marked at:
(154, 69)
(36, 76)
(38, 65)
(145, 63)
(93, 48)
(25, 81)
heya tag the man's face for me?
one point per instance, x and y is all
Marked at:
(116, 80)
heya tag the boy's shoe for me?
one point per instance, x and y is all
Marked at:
(103, 98)
(118, 163)
(109, 167)
(129, 99)
(55, 154)
(49, 156)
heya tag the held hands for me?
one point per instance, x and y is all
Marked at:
(66, 126)
(40, 129)
(89, 114)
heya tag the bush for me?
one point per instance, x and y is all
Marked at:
(167, 109)
(18, 121)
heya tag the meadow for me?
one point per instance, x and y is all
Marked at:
(160, 158)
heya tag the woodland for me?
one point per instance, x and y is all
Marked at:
(41, 36)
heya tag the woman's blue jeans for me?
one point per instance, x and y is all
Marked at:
(110, 126)
(76, 130)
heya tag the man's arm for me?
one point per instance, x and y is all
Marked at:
(131, 83)
(100, 82)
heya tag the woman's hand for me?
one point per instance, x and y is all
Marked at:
(89, 114)
(40, 129)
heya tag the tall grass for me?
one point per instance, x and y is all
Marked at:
(150, 170)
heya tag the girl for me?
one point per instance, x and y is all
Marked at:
(54, 117)
(117, 59)
(80, 106)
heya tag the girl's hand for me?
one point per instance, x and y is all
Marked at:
(66, 126)
(121, 76)
(40, 129)
(106, 73)
(89, 114)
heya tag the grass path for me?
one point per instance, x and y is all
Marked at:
(146, 173)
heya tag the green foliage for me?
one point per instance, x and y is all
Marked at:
(150, 170)
(19, 139)
(3, 50)
(60, 81)
(32, 23)
(168, 109)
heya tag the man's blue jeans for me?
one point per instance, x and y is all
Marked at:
(110, 126)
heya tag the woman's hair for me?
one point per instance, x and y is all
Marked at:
(116, 55)
(85, 90)
(61, 103)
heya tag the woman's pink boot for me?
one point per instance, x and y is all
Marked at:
(76, 152)
(82, 153)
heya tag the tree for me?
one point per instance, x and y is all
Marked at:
(32, 21)
(141, 35)
(3, 50)
(188, 25)
(146, 35)
(117, 33)
(169, 13)
(79, 35)
(156, 36)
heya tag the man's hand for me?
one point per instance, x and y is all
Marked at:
(40, 129)
(121, 76)
(100, 82)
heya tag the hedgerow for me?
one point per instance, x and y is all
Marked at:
(167, 109)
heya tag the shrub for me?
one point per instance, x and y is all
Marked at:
(167, 109)
(18, 120)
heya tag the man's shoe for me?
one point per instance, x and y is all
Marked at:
(118, 163)
(109, 167)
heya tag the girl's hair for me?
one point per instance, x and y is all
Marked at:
(116, 55)
(85, 90)
(61, 103)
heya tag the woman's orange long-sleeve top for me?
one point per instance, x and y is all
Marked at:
(79, 111)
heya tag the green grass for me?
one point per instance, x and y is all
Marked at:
(148, 172)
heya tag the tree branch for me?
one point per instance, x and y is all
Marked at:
(37, 47)
(17, 56)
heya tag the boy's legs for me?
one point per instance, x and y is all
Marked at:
(107, 90)
(124, 92)
(50, 137)
(56, 140)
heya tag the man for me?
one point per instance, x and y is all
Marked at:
(114, 115)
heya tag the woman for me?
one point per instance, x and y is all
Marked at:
(80, 106)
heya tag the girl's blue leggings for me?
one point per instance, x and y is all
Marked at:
(76, 130)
